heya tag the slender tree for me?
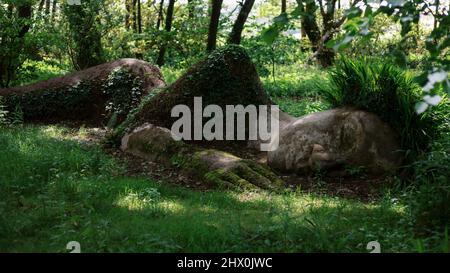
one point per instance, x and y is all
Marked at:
(134, 12)
(55, 2)
(84, 28)
(129, 11)
(47, 10)
(330, 25)
(191, 8)
(168, 27)
(41, 5)
(283, 6)
(238, 27)
(160, 14)
(11, 59)
(139, 17)
(47, 7)
(436, 13)
(213, 24)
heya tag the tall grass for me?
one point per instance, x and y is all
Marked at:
(389, 92)
(430, 195)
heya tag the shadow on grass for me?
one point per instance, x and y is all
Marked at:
(54, 190)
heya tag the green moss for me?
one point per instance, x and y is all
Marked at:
(131, 120)
(70, 102)
(87, 100)
(124, 91)
(245, 174)
(225, 77)
(224, 179)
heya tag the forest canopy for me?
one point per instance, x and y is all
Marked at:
(360, 89)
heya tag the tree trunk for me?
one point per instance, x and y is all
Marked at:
(325, 56)
(168, 27)
(191, 8)
(214, 25)
(54, 9)
(238, 27)
(309, 23)
(134, 16)
(129, 11)
(436, 13)
(139, 17)
(83, 23)
(47, 10)
(41, 5)
(160, 14)
(47, 7)
(283, 6)
(318, 38)
(11, 60)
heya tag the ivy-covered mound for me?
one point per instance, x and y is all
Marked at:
(98, 95)
(225, 77)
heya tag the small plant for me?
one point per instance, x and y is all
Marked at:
(389, 92)
(16, 117)
(3, 113)
(430, 197)
(356, 171)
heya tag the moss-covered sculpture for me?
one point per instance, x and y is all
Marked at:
(225, 77)
(217, 168)
(98, 95)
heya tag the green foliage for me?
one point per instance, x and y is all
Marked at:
(430, 195)
(171, 74)
(15, 19)
(123, 90)
(85, 30)
(286, 50)
(295, 80)
(120, 93)
(36, 71)
(16, 117)
(3, 113)
(389, 92)
(47, 104)
(295, 89)
(407, 14)
(116, 135)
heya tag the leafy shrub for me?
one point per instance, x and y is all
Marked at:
(124, 92)
(16, 116)
(390, 93)
(267, 58)
(3, 113)
(35, 71)
(120, 92)
(48, 104)
(430, 198)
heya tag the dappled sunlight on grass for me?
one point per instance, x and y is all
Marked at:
(136, 201)
(295, 80)
(54, 190)
(296, 89)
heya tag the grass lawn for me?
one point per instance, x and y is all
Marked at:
(55, 189)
